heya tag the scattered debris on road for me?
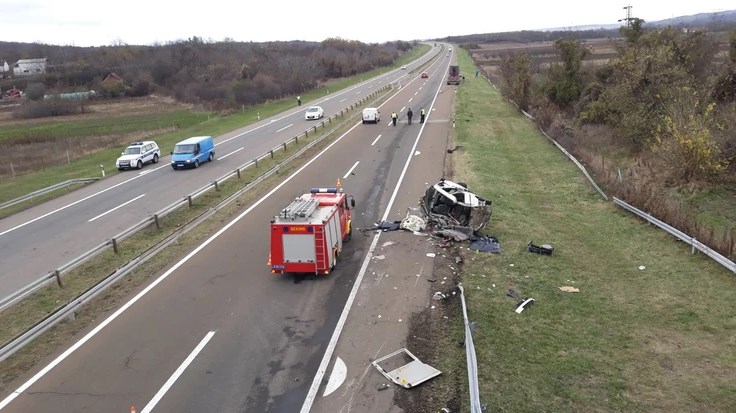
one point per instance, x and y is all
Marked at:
(410, 371)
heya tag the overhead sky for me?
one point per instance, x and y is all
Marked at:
(146, 22)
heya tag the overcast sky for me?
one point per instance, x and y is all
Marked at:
(99, 23)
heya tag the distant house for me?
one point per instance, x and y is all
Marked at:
(29, 67)
(113, 83)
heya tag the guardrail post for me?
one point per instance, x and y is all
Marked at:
(238, 172)
(271, 153)
(189, 200)
(315, 129)
(692, 245)
(284, 146)
(306, 133)
(296, 139)
(114, 242)
(155, 219)
(217, 188)
(57, 274)
(256, 162)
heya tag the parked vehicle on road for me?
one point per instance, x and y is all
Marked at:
(192, 152)
(314, 113)
(307, 236)
(371, 115)
(138, 154)
(425, 75)
(453, 76)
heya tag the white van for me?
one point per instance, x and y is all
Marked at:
(371, 115)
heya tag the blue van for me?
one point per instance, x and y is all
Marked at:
(192, 152)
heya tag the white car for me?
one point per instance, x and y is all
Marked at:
(403, 67)
(137, 154)
(314, 112)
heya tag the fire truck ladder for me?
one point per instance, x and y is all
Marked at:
(320, 253)
(300, 208)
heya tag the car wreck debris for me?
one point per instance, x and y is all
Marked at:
(447, 204)
(545, 249)
(406, 375)
(485, 244)
(527, 302)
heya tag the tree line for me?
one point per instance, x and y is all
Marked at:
(216, 74)
(668, 93)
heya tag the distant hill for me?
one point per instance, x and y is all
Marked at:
(716, 19)
(723, 18)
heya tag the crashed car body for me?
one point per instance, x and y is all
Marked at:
(450, 204)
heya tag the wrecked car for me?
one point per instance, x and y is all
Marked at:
(451, 205)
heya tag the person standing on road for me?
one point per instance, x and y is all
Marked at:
(298, 100)
(422, 114)
(409, 114)
(394, 118)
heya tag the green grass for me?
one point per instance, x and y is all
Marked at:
(660, 339)
(46, 129)
(196, 124)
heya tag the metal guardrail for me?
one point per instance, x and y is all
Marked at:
(69, 308)
(475, 406)
(694, 243)
(45, 191)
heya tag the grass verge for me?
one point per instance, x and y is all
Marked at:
(652, 328)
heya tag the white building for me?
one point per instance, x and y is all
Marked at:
(29, 67)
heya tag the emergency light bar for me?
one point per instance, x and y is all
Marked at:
(324, 190)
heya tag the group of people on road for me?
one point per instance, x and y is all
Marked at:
(409, 115)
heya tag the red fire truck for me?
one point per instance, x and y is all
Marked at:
(307, 236)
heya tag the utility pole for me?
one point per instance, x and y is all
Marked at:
(628, 17)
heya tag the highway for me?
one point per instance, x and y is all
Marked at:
(41, 239)
(217, 332)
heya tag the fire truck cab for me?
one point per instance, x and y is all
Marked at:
(307, 236)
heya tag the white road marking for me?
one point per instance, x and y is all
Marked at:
(117, 207)
(162, 277)
(416, 93)
(357, 93)
(343, 100)
(377, 138)
(73, 203)
(410, 100)
(235, 151)
(285, 127)
(145, 172)
(170, 382)
(351, 170)
(337, 378)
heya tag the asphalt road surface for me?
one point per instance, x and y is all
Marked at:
(217, 332)
(39, 240)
